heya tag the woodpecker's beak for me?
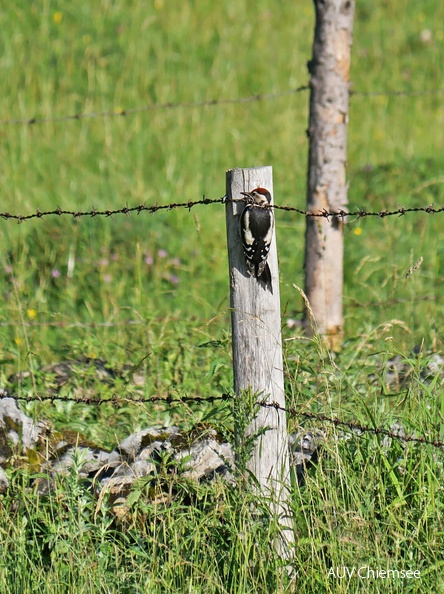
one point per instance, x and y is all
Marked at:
(256, 198)
(249, 198)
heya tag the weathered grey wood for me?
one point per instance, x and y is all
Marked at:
(257, 350)
(326, 185)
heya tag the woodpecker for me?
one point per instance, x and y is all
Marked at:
(256, 227)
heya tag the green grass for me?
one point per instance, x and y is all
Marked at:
(62, 278)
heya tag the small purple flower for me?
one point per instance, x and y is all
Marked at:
(103, 262)
(8, 269)
(114, 257)
(107, 278)
(162, 253)
(149, 260)
(174, 279)
(55, 273)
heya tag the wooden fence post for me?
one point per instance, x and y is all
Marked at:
(257, 354)
(326, 185)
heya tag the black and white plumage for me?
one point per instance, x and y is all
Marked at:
(256, 225)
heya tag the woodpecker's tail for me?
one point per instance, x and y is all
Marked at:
(265, 278)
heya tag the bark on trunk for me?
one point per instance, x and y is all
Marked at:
(326, 184)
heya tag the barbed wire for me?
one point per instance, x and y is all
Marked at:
(73, 324)
(154, 107)
(394, 301)
(358, 213)
(397, 93)
(76, 324)
(115, 399)
(356, 427)
(361, 213)
(93, 212)
(119, 113)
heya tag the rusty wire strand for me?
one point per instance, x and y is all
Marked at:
(359, 213)
(351, 303)
(119, 113)
(154, 107)
(115, 400)
(74, 324)
(354, 426)
(94, 212)
(397, 93)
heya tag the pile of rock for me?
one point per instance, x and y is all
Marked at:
(200, 456)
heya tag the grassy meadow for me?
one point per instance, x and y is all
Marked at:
(151, 291)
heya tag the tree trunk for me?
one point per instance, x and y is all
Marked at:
(326, 184)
